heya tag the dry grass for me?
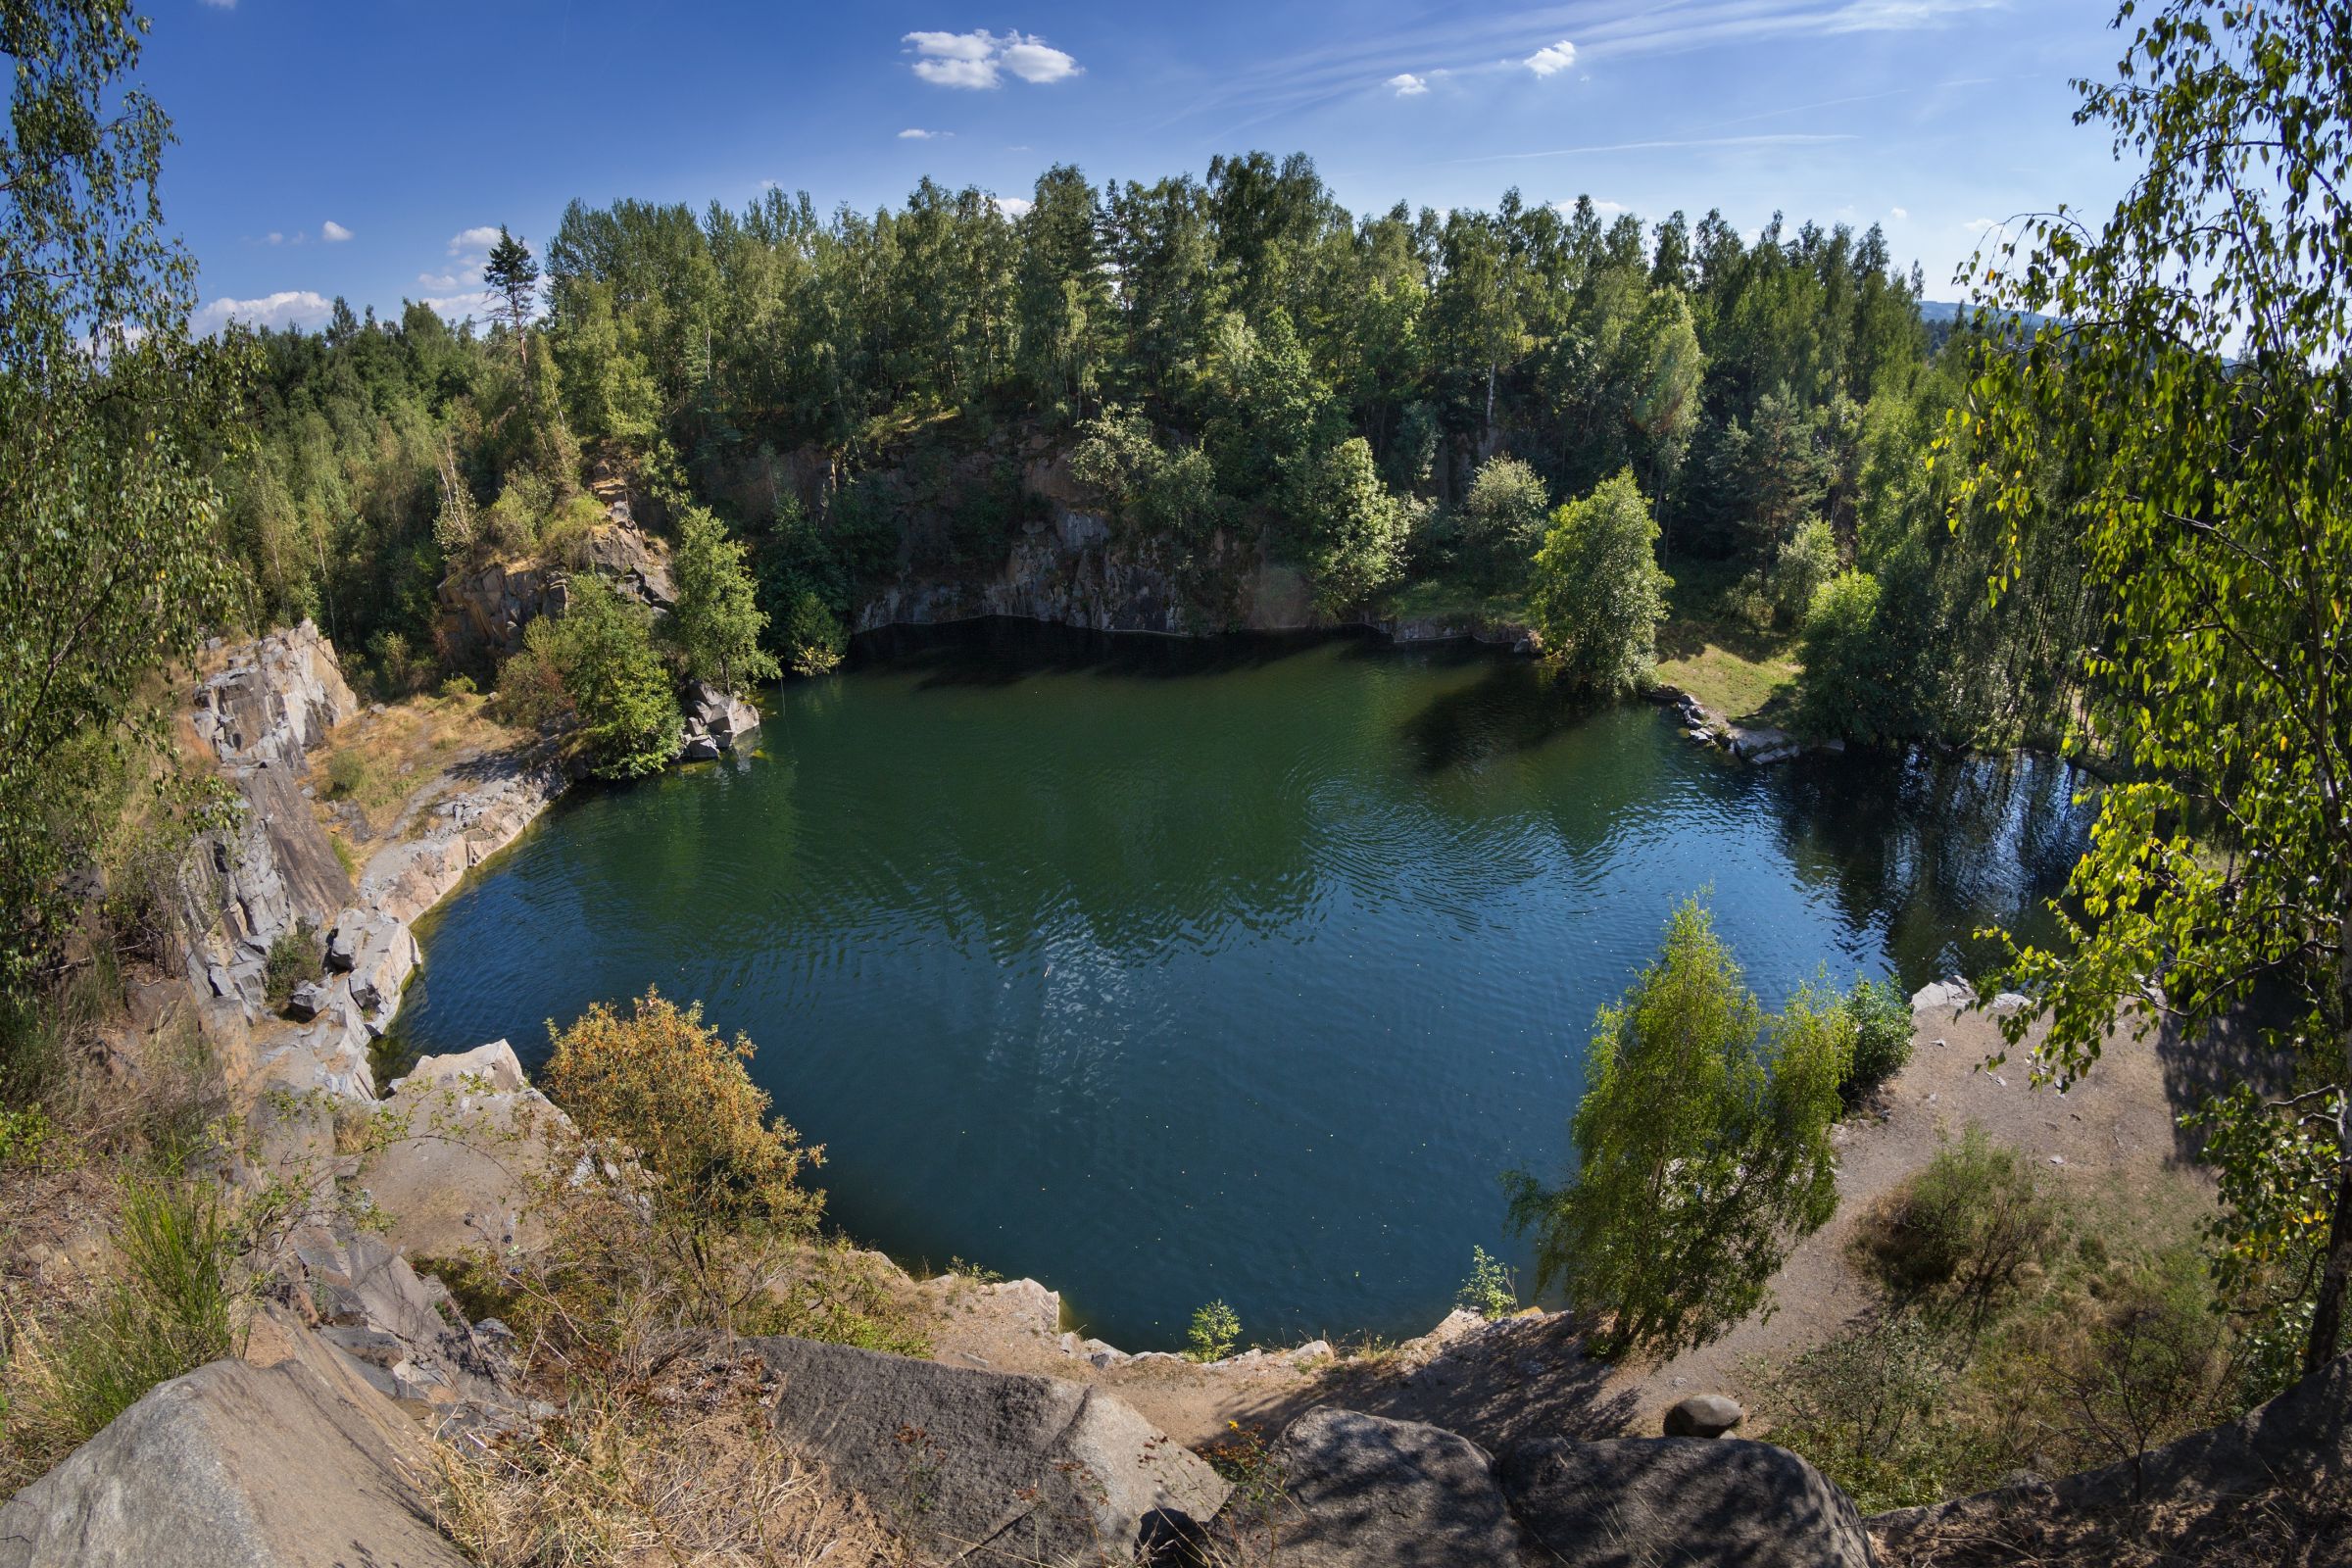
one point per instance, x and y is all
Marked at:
(377, 763)
(682, 1470)
(2280, 1529)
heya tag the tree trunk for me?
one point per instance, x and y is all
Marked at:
(2327, 1313)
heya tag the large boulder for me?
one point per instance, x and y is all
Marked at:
(1705, 1415)
(1359, 1491)
(297, 1466)
(1722, 1503)
(975, 1466)
(465, 1157)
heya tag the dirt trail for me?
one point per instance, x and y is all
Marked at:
(2113, 1136)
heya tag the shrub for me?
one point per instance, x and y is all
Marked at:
(1883, 1023)
(459, 685)
(1702, 1150)
(603, 649)
(1596, 593)
(530, 683)
(174, 1306)
(346, 775)
(1491, 1291)
(23, 1135)
(295, 956)
(1216, 1329)
(1843, 690)
(814, 635)
(1883, 1411)
(1503, 519)
(1962, 1233)
(665, 1088)
(1807, 559)
(2134, 1359)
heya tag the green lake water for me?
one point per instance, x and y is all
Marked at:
(1163, 972)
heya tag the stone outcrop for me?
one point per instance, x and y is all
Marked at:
(399, 1331)
(471, 1140)
(1364, 1493)
(716, 722)
(291, 1466)
(480, 613)
(988, 1468)
(245, 886)
(1720, 1504)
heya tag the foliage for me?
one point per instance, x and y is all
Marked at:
(1596, 594)
(717, 624)
(1702, 1150)
(1807, 559)
(2192, 375)
(1883, 1024)
(2134, 1358)
(1843, 692)
(601, 651)
(1961, 1235)
(666, 1089)
(295, 956)
(1216, 1329)
(174, 1303)
(1491, 1291)
(1504, 518)
(814, 635)
(1882, 1410)
(111, 559)
(1160, 492)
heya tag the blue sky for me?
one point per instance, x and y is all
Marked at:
(357, 148)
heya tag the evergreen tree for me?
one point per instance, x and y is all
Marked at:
(512, 276)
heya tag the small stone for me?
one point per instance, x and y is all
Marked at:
(2057, 1159)
(1705, 1415)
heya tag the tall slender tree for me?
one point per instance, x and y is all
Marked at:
(512, 276)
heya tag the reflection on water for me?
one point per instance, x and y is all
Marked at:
(1165, 970)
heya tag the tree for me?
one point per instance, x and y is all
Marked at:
(514, 277)
(1702, 1150)
(615, 682)
(717, 623)
(1596, 595)
(1502, 517)
(1844, 691)
(2195, 369)
(1354, 528)
(110, 550)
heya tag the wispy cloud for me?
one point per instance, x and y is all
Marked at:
(1786, 139)
(1505, 41)
(333, 232)
(981, 59)
(914, 134)
(478, 239)
(1551, 59)
(1899, 212)
(1408, 84)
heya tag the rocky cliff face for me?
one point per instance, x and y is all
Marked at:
(243, 888)
(483, 613)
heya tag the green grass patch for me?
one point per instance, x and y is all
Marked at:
(1716, 655)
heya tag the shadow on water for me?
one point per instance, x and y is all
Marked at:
(1514, 707)
(1002, 651)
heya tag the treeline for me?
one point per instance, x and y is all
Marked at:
(1229, 357)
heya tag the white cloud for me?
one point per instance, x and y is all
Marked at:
(276, 238)
(333, 232)
(221, 5)
(910, 134)
(478, 239)
(979, 59)
(1977, 225)
(287, 308)
(1012, 206)
(1032, 60)
(456, 307)
(1899, 212)
(1408, 84)
(1551, 59)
